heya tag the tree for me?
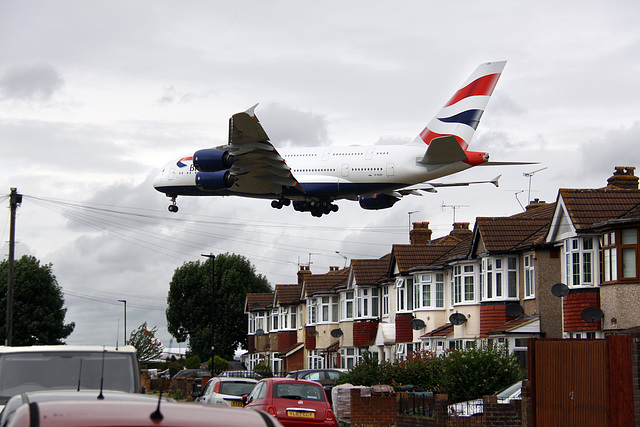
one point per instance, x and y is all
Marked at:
(147, 345)
(189, 304)
(38, 304)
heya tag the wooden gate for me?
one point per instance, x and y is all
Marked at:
(578, 382)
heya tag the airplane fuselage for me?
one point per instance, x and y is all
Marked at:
(331, 172)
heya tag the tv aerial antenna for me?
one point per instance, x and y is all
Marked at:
(530, 175)
(453, 207)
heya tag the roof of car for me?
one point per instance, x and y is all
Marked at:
(138, 413)
(67, 348)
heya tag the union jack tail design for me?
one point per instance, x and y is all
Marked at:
(461, 115)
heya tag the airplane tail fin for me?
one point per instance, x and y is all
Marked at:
(460, 116)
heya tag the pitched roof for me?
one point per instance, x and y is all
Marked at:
(409, 256)
(515, 232)
(370, 271)
(259, 301)
(317, 283)
(288, 294)
(512, 325)
(587, 207)
(441, 331)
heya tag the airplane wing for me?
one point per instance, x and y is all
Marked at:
(431, 187)
(255, 157)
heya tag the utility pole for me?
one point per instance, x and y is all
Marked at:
(125, 319)
(14, 200)
(213, 306)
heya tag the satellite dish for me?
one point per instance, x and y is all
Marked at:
(560, 290)
(259, 332)
(417, 324)
(313, 333)
(457, 319)
(336, 333)
(514, 309)
(591, 314)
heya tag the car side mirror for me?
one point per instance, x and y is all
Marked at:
(196, 394)
(245, 399)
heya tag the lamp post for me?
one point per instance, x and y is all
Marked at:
(213, 305)
(124, 301)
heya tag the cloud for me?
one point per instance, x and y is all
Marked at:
(36, 82)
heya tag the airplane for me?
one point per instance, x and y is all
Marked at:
(313, 178)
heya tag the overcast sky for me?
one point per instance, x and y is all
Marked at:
(96, 97)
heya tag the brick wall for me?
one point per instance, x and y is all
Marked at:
(493, 315)
(364, 333)
(404, 333)
(573, 304)
(502, 414)
(310, 338)
(379, 411)
(286, 341)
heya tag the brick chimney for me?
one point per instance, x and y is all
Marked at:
(303, 273)
(460, 229)
(535, 203)
(420, 235)
(624, 178)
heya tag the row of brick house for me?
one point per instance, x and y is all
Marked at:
(496, 283)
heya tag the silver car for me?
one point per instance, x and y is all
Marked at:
(226, 391)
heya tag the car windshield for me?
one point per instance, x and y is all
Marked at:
(507, 392)
(236, 388)
(291, 390)
(32, 371)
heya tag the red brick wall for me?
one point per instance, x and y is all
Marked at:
(295, 361)
(493, 315)
(364, 332)
(573, 304)
(286, 340)
(380, 411)
(310, 341)
(404, 333)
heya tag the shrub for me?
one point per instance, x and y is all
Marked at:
(193, 362)
(368, 372)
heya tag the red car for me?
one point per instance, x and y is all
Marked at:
(293, 402)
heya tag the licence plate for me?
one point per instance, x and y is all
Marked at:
(301, 414)
(236, 403)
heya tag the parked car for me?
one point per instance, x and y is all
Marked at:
(69, 395)
(476, 406)
(326, 377)
(293, 402)
(196, 374)
(66, 367)
(106, 413)
(240, 374)
(227, 391)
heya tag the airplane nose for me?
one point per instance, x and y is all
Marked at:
(157, 181)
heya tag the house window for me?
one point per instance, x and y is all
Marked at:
(463, 284)
(314, 359)
(346, 305)
(367, 302)
(328, 309)
(404, 294)
(311, 311)
(439, 290)
(425, 287)
(284, 318)
(349, 357)
(500, 278)
(260, 323)
(274, 320)
(385, 300)
(293, 313)
(579, 261)
(620, 254)
(529, 277)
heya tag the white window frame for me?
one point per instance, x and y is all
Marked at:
(404, 294)
(367, 303)
(529, 276)
(580, 261)
(312, 311)
(347, 301)
(500, 278)
(463, 284)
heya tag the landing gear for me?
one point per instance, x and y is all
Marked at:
(278, 204)
(173, 207)
(316, 207)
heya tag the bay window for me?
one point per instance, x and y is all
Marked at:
(620, 255)
(367, 302)
(463, 284)
(346, 305)
(500, 278)
(579, 261)
(429, 290)
(529, 277)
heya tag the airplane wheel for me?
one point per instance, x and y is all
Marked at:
(173, 208)
(276, 204)
(334, 208)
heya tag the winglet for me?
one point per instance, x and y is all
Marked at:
(252, 111)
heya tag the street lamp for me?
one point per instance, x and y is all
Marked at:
(213, 304)
(125, 319)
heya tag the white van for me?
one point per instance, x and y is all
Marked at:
(67, 367)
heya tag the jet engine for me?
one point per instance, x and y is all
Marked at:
(212, 160)
(212, 181)
(379, 201)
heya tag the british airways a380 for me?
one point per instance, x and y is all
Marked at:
(312, 178)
